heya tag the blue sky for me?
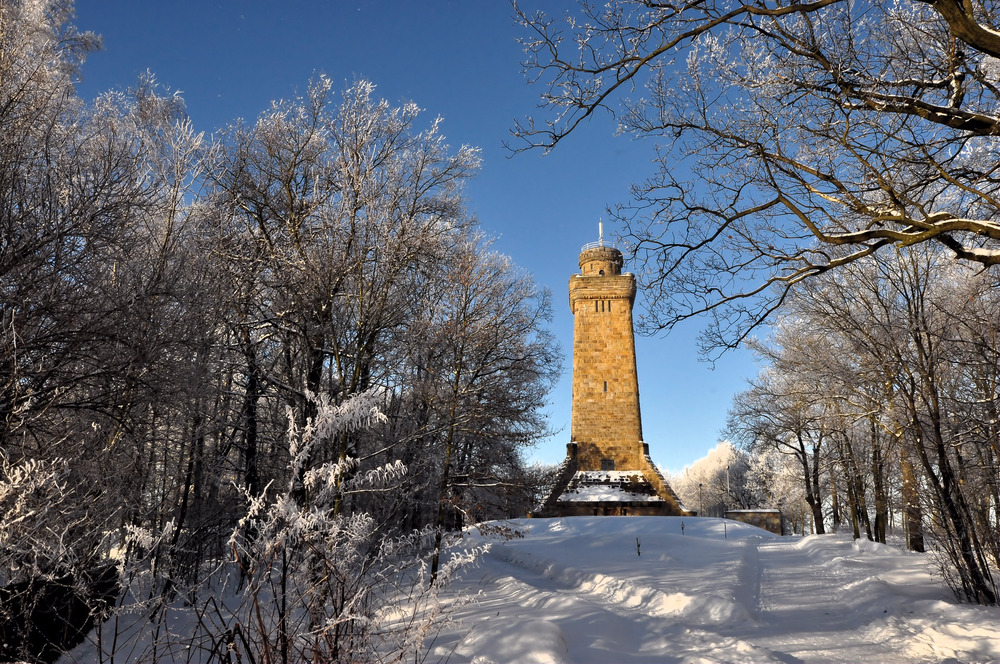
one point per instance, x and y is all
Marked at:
(457, 59)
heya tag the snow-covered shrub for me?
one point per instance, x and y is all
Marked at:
(322, 584)
(54, 582)
(32, 493)
(308, 580)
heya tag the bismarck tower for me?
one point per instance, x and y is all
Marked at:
(606, 425)
(607, 468)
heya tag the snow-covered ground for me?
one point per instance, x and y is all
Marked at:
(581, 590)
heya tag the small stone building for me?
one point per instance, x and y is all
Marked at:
(608, 470)
(768, 519)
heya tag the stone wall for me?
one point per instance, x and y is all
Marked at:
(611, 509)
(663, 488)
(767, 519)
(664, 503)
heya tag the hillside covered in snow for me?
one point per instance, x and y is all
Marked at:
(663, 589)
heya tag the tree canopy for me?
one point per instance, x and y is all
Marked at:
(789, 138)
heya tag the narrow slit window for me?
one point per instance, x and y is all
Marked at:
(605, 386)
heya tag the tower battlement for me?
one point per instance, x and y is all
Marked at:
(598, 259)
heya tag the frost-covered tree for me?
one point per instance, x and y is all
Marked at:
(302, 582)
(894, 361)
(773, 480)
(780, 411)
(61, 208)
(168, 300)
(791, 138)
(717, 483)
(105, 318)
(921, 330)
(483, 364)
(331, 217)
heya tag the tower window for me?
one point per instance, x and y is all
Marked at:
(595, 305)
(609, 305)
(605, 386)
(601, 273)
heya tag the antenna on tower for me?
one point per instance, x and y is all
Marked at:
(600, 232)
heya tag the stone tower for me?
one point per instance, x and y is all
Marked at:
(606, 425)
(607, 468)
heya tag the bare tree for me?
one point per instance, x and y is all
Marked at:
(897, 351)
(859, 356)
(932, 397)
(780, 411)
(486, 363)
(62, 197)
(814, 133)
(333, 213)
(186, 326)
(107, 316)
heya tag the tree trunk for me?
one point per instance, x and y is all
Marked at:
(974, 576)
(815, 496)
(836, 517)
(912, 513)
(878, 486)
(251, 475)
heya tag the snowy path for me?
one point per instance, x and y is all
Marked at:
(825, 599)
(606, 612)
(576, 591)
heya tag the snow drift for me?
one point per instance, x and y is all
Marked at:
(641, 589)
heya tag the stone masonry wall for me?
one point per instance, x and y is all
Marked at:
(606, 421)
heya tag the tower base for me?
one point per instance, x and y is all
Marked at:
(638, 492)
